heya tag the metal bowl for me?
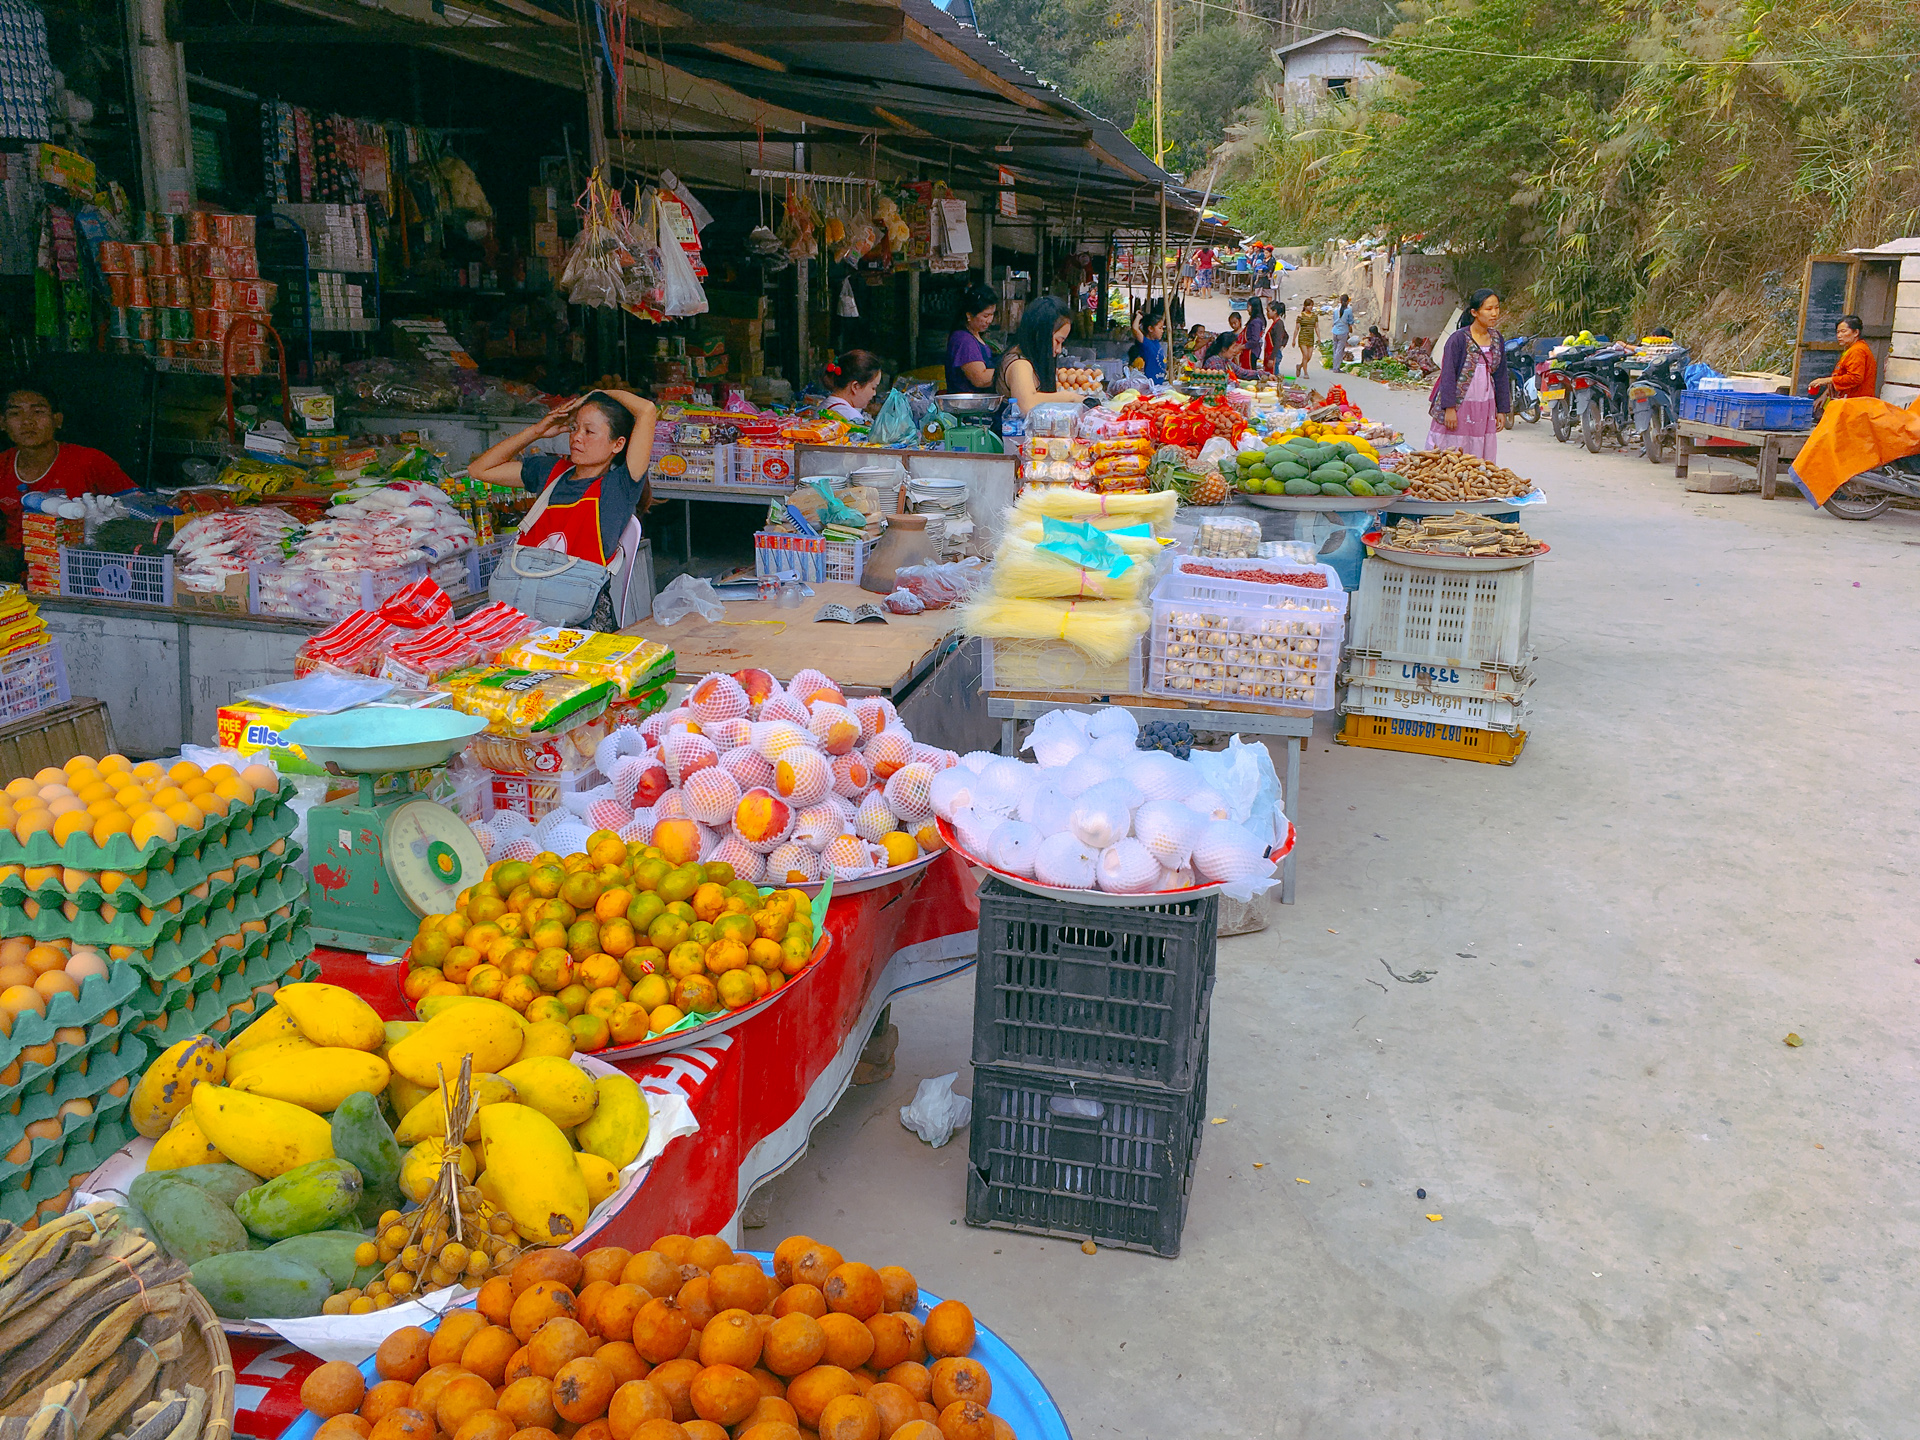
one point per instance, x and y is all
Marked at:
(969, 404)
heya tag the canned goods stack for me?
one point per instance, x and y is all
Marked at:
(186, 286)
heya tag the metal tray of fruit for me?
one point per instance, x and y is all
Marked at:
(717, 1024)
(1104, 898)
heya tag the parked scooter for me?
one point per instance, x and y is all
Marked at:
(1870, 493)
(1526, 384)
(1557, 386)
(1600, 396)
(1655, 393)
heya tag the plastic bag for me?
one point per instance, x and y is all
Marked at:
(905, 602)
(1244, 774)
(936, 1112)
(894, 425)
(687, 595)
(683, 294)
(938, 586)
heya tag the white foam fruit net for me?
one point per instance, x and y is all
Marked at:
(951, 790)
(977, 760)
(670, 806)
(1206, 803)
(685, 754)
(875, 817)
(1112, 721)
(1101, 815)
(1062, 860)
(755, 804)
(608, 814)
(888, 751)
(909, 793)
(807, 685)
(783, 706)
(1117, 748)
(1226, 851)
(727, 734)
(1167, 828)
(1128, 868)
(802, 776)
(639, 828)
(794, 864)
(974, 828)
(619, 743)
(1012, 846)
(623, 775)
(561, 833)
(848, 857)
(710, 795)
(1160, 776)
(747, 863)
(817, 824)
(852, 776)
(748, 766)
(1080, 773)
(772, 738)
(718, 696)
(834, 727)
(1046, 808)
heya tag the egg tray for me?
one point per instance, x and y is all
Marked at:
(120, 853)
(193, 945)
(195, 1006)
(34, 1079)
(260, 899)
(77, 1131)
(73, 1161)
(161, 993)
(97, 996)
(162, 884)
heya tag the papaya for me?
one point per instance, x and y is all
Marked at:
(308, 1198)
(332, 1015)
(185, 1143)
(491, 1032)
(258, 1133)
(429, 1117)
(163, 1092)
(226, 1183)
(188, 1221)
(331, 1253)
(1334, 487)
(274, 1024)
(317, 1079)
(1302, 487)
(558, 1089)
(539, 1182)
(362, 1139)
(617, 1129)
(250, 1284)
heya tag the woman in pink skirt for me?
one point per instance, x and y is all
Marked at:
(1472, 396)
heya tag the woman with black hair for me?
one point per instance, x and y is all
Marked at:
(1030, 369)
(1472, 396)
(852, 382)
(969, 358)
(588, 496)
(1253, 335)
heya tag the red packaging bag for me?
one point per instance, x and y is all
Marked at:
(416, 606)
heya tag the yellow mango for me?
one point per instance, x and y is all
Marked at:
(489, 1032)
(402, 1093)
(184, 1144)
(167, 1087)
(602, 1179)
(435, 1006)
(558, 1089)
(274, 1024)
(547, 1037)
(332, 1015)
(617, 1129)
(534, 1170)
(420, 1166)
(429, 1118)
(490, 1190)
(259, 1133)
(270, 1054)
(318, 1078)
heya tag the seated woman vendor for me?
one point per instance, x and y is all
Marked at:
(852, 382)
(39, 462)
(587, 496)
(1029, 371)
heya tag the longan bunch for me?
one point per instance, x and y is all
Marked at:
(420, 1254)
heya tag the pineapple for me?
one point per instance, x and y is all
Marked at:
(1206, 488)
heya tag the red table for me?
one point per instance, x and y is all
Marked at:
(758, 1089)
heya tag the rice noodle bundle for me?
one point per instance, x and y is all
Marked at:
(1105, 630)
(1022, 569)
(1065, 503)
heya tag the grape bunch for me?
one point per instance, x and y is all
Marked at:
(1173, 736)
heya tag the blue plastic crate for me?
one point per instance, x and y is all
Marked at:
(1738, 411)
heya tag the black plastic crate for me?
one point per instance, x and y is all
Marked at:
(1091, 990)
(1084, 1159)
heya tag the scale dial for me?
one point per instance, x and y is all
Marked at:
(431, 856)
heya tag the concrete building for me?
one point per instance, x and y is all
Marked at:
(1330, 65)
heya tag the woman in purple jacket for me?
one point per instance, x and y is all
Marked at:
(1472, 396)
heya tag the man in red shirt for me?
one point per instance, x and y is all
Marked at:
(40, 462)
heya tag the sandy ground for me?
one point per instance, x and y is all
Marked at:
(1658, 1219)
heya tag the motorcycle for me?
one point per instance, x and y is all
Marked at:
(1556, 386)
(1526, 384)
(1600, 396)
(1870, 493)
(1655, 395)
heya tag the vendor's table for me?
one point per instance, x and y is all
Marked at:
(1010, 707)
(1769, 446)
(718, 495)
(757, 1090)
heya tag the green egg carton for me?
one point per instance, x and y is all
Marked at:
(33, 1078)
(75, 1130)
(23, 1194)
(194, 1008)
(120, 853)
(97, 996)
(90, 927)
(191, 947)
(161, 885)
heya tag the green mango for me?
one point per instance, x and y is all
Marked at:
(1331, 472)
(1275, 454)
(1259, 472)
(1376, 479)
(1247, 459)
(1334, 487)
(1301, 487)
(1290, 471)
(191, 1223)
(256, 1284)
(307, 1198)
(1228, 470)
(362, 1138)
(226, 1183)
(1357, 486)
(331, 1253)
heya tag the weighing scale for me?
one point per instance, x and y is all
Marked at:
(378, 866)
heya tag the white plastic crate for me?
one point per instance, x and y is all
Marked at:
(32, 681)
(105, 575)
(753, 464)
(1464, 620)
(307, 594)
(452, 574)
(1475, 712)
(1503, 682)
(810, 558)
(1253, 643)
(1057, 665)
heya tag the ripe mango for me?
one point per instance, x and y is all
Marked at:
(602, 1179)
(617, 1129)
(332, 1015)
(317, 1079)
(266, 1054)
(275, 1023)
(167, 1087)
(259, 1133)
(488, 1031)
(421, 1167)
(558, 1089)
(185, 1143)
(429, 1118)
(534, 1171)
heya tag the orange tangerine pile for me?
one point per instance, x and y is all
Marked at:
(103, 798)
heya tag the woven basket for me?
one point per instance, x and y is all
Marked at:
(209, 1364)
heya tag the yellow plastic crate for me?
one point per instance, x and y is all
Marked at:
(1424, 737)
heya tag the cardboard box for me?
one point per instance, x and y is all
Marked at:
(735, 307)
(546, 239)
(738, 334)
(229, 600)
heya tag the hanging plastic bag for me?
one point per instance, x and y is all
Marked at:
(936, 1112)
(848, 308)
(683, 294)
(894, 425)
(688, 595)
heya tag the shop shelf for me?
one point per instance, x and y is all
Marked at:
(481, 561)
(1084, 1159)
(126, 579)
(32, 681)
(1120, 994)
(1423, 737)
(1736, 411)
(1442, 617)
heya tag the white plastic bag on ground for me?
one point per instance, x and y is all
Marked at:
(936, 1112)
(688, 595)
